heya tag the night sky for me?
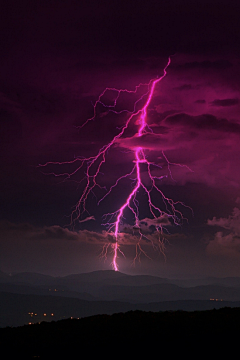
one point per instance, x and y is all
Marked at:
(57, 57)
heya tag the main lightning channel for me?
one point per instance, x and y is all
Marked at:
(139, 154)
(93, 165)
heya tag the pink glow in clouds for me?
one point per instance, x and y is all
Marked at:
(142, 169)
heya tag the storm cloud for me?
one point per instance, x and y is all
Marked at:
(57, 58)
(226, 243)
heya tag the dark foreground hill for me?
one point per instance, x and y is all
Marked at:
(130, 334)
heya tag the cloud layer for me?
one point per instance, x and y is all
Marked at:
(226, 243)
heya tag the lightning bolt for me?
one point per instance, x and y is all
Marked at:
(93, 165)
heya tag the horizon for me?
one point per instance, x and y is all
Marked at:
(118, 272)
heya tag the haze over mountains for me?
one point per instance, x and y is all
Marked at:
(31, 297)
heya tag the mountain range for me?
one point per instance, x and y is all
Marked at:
(30, 297)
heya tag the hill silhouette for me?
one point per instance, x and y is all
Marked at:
(133, 333)
(109, 285)
(30, 297)
(20, 309)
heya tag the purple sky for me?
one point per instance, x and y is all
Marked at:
(56, 58)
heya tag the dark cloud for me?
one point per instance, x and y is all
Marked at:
(156, 222)
(26, 232)
(129, 235)
(23, 231)
(200, 101)
(203, 122)
(7, 226)
(231, 223)
(10, 128)
(181, 130)
(146, 227)
(220, 64)
(149, 141)
(184, 87)
(226, 243)
(156, 117)
(225, 102)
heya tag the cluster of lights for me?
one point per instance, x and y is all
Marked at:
(54, 290)
(32, 314)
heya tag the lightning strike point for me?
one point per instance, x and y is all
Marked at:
(114, 262)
